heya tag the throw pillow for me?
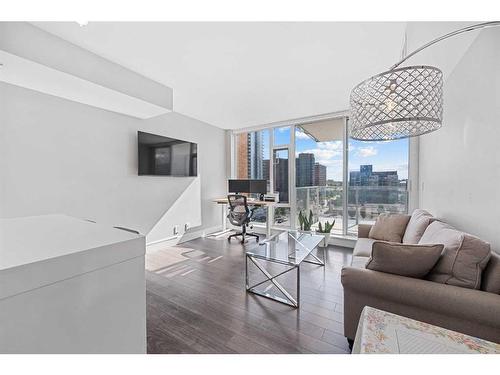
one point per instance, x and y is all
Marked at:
(491, 276)
(463, 259)
(419, 221)
(389, 227)
(403, 259)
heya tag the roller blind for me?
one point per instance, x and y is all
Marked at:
(326, 130)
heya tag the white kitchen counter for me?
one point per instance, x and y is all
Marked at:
(70, 286)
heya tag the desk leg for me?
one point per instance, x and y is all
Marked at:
(225, 229)
(270, 220)
(224, 218)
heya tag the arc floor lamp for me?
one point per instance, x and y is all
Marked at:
(402, 102)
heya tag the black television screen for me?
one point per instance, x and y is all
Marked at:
(163, 156)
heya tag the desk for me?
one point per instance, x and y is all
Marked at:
(251, 202)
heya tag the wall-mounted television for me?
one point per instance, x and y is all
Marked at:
(164, 156)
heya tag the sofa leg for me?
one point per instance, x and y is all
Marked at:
(351, 343)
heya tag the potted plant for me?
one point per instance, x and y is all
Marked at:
(325, 231)
(305, 222)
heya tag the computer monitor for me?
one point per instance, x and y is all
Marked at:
(247, 186)
(258, 186)
(239, 186)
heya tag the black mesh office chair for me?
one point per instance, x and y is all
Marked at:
(240, 215)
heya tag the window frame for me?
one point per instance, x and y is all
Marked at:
(413, 154)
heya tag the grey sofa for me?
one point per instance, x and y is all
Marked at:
(474, 312)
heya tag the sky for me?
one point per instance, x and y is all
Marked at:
(383, 155)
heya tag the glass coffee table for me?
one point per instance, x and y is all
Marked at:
(288, 249)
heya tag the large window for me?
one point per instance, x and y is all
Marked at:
(318, 174)
(378, 179)
(253, 162)
(314, 168)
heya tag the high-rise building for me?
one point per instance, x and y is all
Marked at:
(366, 177)
(265, 169)
(281, 178)
(319, 175)
(250, 156)
(304, 165)
(255, 154)
(242, 155)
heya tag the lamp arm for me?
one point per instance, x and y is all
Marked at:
(446, 36)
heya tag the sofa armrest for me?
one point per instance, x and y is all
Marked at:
(463, 303)
(364, 230)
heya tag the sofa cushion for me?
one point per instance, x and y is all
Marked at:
(363, 247)
(389, 227)
(463, 259)
(403, 259)
(419, 221)
(491, 275)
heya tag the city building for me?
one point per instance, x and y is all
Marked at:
(305, 170)
(367, 177)
(319, 175)
(250, 154)
(281, 178)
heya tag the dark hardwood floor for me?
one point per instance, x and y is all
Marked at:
(197, 303)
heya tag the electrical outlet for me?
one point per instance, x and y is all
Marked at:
(176, 230)
(186, 227)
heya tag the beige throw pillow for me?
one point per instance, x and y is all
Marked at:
(419, 221)
(463, 259)
(491, 275)
(403, 259)
(389, 227)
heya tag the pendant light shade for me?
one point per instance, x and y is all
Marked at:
(400, 103)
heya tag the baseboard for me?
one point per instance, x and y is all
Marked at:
(173, 240)
(199, 233)
(166, 239)
(342, 241)
(161, 244)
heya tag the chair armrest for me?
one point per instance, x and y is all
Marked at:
(364, 230)
(468, 304)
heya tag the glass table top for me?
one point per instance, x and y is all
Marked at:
(287, 247)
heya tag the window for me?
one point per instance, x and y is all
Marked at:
(252, 161)
(311, 173)
(378, 179)
(281, 136)
(319, 174)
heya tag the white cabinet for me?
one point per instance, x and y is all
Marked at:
(70, 286)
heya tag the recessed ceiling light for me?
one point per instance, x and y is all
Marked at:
(82, 23)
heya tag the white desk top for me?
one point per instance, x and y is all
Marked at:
(39, 250)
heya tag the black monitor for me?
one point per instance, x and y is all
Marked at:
(247, 186)
(258, 186)
(238, 186)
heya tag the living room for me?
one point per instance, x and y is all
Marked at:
(268, 185)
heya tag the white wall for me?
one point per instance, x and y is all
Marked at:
(460, 164)
(61, 156)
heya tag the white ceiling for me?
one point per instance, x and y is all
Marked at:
(234, 75)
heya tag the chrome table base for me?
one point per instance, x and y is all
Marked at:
(286, 297)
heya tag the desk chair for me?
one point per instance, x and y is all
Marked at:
(240, 215)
